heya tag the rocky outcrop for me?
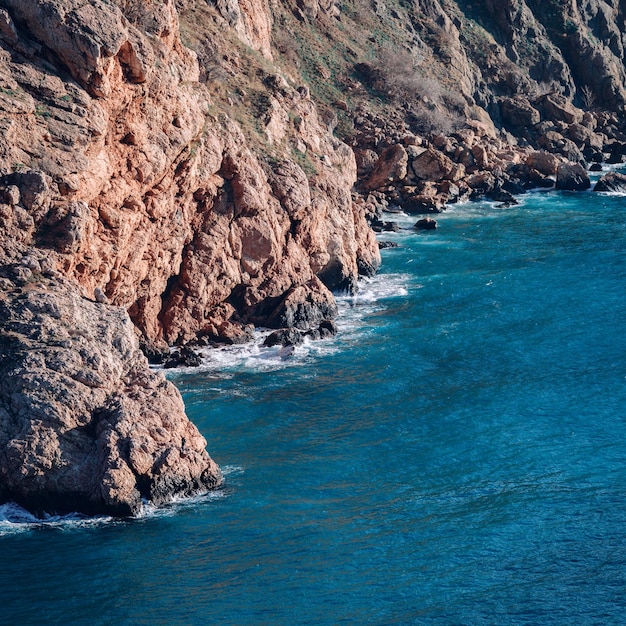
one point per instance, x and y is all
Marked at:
(119, 171)
(84, 424)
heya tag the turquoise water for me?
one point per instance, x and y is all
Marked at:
(456, 456)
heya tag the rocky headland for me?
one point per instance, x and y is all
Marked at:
(180, 172)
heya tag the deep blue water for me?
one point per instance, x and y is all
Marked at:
(456, 456)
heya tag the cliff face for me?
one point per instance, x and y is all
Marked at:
(207, 165)
(172, 213)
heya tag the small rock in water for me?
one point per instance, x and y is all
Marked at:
(382, 245)
(183, 357)
(426, 223)
(325, 330)
(613, 181)
(284, 337)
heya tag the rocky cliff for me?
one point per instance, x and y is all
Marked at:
(201, 167)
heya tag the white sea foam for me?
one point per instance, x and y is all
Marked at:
(373, 295)
(232, 470)
(254, 356)
(178, 503)
(15, 519)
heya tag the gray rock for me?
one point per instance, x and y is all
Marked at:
(613, 181)
(572, 177)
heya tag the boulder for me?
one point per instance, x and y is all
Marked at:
(379, 226)
(613, 181)
(284, 337)
(518, 113)
(481, 183)
(183, 357)
(544, 162)
(426, 223)
(431, 165)
(557, 108)
(326, 330)
(555, 142)
(303, 307)
(572, 177)
(501, 195)
(390, 167)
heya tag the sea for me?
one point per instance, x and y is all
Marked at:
(456, 455)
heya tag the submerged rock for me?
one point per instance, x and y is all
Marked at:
(84, 424)
(384, 245)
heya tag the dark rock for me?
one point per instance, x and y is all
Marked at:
(154, 354)
(512, 187)
(284, 337)
(572, 177)
(426, 223)
(183, 357)
(383, 245)
(500, 195)
(10, 195)
(613, 181)
(420, 204)
(379, 226)
(595, 167)
(616, 153)
(305, 306)
(326, 330)
(594, 155)
(365, 268)
(547, 182)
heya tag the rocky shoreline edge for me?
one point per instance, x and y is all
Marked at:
(152, 196)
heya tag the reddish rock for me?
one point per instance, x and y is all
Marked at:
(544, 162)
(390, 167)
(84, 424)
(431, 165)
(557, 108)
